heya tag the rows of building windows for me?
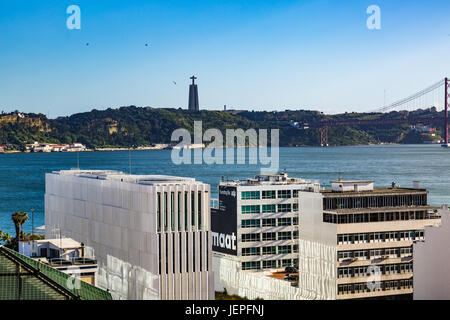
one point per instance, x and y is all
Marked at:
(269, 208)
(269, 264)
(372, 254)
(366, 271)
(331, 203)
(378, 217)
(280, 222)
(191, 222)
(257, 251)
(269, 236)
(356, 238)
(382, 286)
(269, 194)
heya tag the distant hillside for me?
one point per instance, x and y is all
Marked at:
(135, 126)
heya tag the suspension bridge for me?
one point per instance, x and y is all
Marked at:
(435, 96)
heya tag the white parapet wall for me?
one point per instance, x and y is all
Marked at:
(432, 261)
(250, 285)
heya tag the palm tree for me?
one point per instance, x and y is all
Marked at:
(19, 219)
(6, 239)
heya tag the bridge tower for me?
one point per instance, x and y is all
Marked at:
(447, 85)
(324, 136)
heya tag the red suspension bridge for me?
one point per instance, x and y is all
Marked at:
(426, 98)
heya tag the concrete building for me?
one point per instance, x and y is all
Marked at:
(149, 234)
(431, 261)
(361, 245)
(193, 96)
(255, 229)
(64, 254)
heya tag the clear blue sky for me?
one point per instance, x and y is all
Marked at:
(252, 54)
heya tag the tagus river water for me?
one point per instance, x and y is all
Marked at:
(22, 176)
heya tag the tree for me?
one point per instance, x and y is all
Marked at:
(6, 239)
(19, 219)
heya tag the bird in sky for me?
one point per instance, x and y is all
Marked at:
(174, 83)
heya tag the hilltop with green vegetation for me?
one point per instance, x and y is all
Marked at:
(136, 126)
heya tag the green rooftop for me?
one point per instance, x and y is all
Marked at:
(22, 278)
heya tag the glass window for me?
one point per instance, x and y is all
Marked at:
(253, 223)
(269, 208)
(284, 222)
(172, 211)
(250, 237)
(284, 249)
(269, 223)
(186, 210)
(250, 251)
(158, 209)
(284, 207)
(192, 209)
(269, 250)
(179, 211)
(250, 209)
(286, 263)
(165, 211)
(284, 235)
(284, 194)
(270, 264)
(269, 195)
(199, 213)
(269, 236)
(252, 265)
(250, 195)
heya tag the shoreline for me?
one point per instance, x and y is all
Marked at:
(159, 149)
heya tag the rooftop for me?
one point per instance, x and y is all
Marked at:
(123, 177)
(274, 179)
(63, 243)
(430, 209)
(375, 191)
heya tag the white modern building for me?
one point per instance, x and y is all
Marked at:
(255, 229)
(149, 234)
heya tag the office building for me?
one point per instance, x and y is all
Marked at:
(361, 245)
(255, 230)
(149, 233)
